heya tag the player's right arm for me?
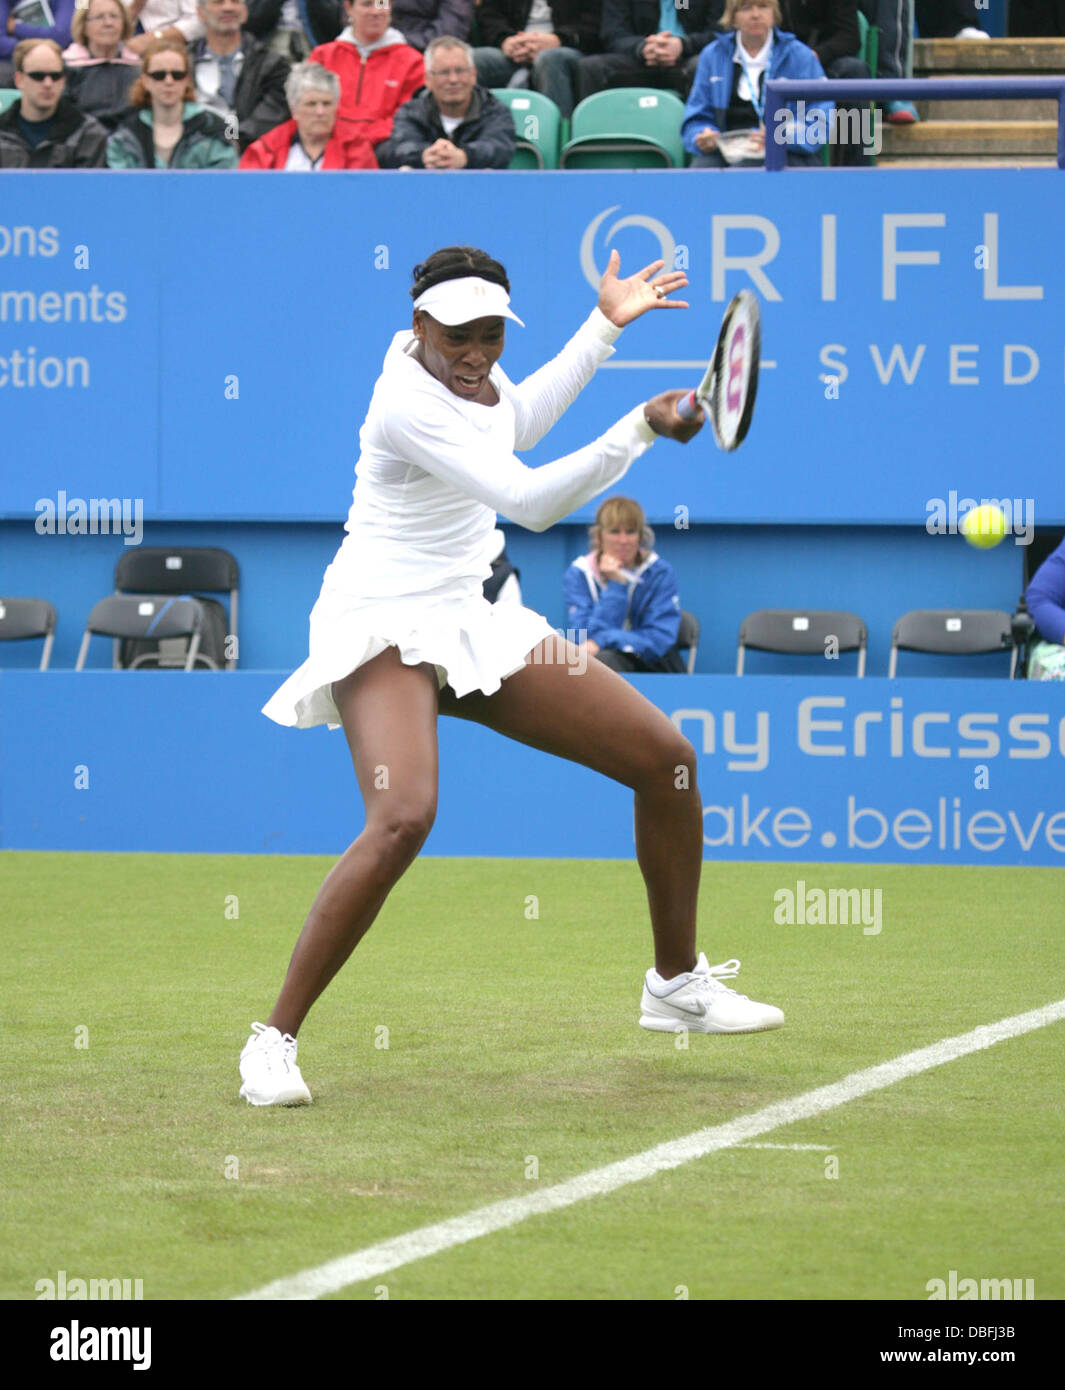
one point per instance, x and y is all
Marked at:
(438, 438)
(428, 431)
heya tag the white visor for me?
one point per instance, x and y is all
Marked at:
(460, 301)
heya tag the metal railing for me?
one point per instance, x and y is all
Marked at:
(781, 90)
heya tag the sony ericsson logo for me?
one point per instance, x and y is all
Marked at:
(667, 249)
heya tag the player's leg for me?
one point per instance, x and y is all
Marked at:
(389, 713)
(590, 715)
(586, 713)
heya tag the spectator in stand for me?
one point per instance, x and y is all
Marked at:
(830, 28)
(314, 139)
(1037, 19)
(538, 44)
(453, 124)
(503, 585)
(165, 127)
(419, 21)
(378, 72)
(894, 20)
(101, 67)
(950, 19)
(235, 75)
(322, 19)
(621, 598)
(280, 25)
(44, 129)
(13, 32)
(649, 43)
(172, 19)
(1045, 598)
(729, 91)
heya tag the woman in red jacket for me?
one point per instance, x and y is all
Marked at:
(316, 138)
(378, 69)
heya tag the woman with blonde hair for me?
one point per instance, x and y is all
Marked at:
(621, 598)
(165, 127)
(101, 66)
(724, 120)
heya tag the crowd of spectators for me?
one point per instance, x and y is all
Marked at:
(396, 84)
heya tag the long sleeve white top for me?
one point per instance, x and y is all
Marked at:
(173, 14)
(435, 469)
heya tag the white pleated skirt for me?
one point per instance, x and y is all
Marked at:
(474, 645)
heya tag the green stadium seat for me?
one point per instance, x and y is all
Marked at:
(869, 46)
(537, 124)
(626, 128)
(8, 97)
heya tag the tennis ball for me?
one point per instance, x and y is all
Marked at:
(984, 527)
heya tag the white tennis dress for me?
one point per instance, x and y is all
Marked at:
(433, 471)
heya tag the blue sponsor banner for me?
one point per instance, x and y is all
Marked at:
(205, 345)
(835, 770)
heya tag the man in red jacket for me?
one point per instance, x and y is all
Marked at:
(378, 71)
(317, 138)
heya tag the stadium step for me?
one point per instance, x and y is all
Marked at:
(1004, 133)
(948, 138)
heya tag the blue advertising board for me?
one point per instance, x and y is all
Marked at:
(206, 344)
(804, 769)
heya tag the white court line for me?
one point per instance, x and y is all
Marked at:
(431, 1240)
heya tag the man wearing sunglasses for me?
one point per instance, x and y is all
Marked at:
(44, 129)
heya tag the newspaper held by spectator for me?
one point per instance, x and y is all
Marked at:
(737, 145)
(35, 12)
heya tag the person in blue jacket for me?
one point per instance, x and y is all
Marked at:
(621, 598)
(728, 93)
(1045, 597)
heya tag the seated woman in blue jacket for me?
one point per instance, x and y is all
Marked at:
(728, 94)
(1045, 597)
(623, 595)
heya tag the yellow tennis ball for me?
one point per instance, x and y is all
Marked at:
(984, 527)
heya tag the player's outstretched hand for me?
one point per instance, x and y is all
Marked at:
(660, 413)
(624, 300)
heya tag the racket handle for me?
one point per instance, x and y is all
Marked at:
(688, 406)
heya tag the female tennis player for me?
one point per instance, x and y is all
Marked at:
(401, 633)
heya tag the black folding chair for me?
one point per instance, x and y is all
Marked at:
(801, 632)
(189, 569)
(22, 619)
(137, 615)
(953, 632)
(688, 638)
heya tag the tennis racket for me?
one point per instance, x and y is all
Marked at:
(730, 384)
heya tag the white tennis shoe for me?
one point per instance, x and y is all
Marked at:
(269, 1071)
(697, 1002)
